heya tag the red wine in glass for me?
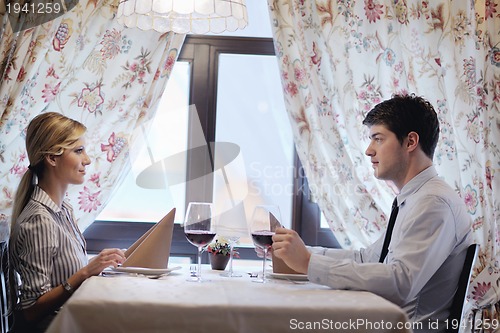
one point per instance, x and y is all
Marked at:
(199, 237)
(263, 238)
(199, 229)
(265, 220)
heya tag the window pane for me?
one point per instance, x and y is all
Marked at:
(324, 222)
(259, 23)
(251, 114)
(167, 137)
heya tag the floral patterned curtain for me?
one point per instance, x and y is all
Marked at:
(340, 58)
(86, 66)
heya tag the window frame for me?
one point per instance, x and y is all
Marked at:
(203, 54)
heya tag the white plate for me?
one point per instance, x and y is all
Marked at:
(295, 277)
(145, 271)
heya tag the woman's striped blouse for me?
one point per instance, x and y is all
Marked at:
(46, 247)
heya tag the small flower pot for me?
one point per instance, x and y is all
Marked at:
(218, 261)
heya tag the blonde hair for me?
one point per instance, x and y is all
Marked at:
(49, 133)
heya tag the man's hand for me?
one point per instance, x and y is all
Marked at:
(260, 252)
(288, 246)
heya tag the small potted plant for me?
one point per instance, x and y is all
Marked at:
(220, 251)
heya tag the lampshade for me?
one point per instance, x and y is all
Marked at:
(184, 16)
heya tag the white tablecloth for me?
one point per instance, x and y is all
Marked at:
(128, 303)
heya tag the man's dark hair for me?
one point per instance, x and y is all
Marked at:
(403, 114)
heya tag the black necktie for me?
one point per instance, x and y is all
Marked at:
(388, 233)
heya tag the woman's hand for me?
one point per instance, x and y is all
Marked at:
(57, 296)
(107, 258)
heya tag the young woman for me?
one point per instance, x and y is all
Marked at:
(47, 250)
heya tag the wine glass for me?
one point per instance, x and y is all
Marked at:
(199, 229)
(231, 224)
(232, 240)
(265, 220)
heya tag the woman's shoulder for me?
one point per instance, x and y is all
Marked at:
(35, 214)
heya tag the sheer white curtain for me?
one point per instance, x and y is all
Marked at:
(339, 58)
(86, 66)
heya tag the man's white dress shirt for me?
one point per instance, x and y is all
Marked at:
(427, 251)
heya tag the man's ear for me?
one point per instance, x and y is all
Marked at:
(412, 141)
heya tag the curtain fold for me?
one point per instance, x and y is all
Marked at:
(340, 58)
(86, 66)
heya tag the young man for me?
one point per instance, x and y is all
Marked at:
(431, 232)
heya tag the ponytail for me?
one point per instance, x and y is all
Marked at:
(23, 194)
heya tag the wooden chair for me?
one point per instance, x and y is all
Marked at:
(457, 307)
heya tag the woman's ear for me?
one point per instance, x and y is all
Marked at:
(51, 159)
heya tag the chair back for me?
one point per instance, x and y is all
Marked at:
(457, 307)
(4, 289)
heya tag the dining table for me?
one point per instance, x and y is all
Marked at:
(139, 303)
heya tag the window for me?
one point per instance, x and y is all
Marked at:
(143, 196)
(251, 113)
(234, 85)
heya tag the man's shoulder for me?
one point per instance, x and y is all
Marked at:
(437, 186)
(437, 192)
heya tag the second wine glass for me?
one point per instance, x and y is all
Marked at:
(265, 220)
(199, 229)
(232, 241)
